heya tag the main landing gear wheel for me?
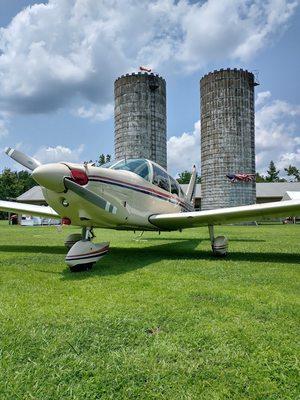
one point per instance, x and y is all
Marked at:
(84, 253)
(219, 244)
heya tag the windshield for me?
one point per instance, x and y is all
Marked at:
(109, 164)
(149, 171)
(138, 166)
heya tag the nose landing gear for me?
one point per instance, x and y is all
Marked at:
(84, 253)
(72, 239)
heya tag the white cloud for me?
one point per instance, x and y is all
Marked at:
(184, 151)
(289, 158)
(96, 113)
(277, 134)
(262, 97)
(261, 20)
(3, 128)
(52, 53)
(230, 29)
(277, 138)
(58, 154)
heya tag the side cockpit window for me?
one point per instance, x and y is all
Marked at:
(181, 192)
(174, 187)
(161, 178)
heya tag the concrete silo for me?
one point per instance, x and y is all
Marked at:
(140, 117)
(227, 138)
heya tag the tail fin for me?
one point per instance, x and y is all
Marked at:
(190, 193)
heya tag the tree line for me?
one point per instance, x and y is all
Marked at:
(292, 173)
(14, 183)
(273, 175)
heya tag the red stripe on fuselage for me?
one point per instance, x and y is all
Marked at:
(92, 253)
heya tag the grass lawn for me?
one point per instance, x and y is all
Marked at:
(157, 318)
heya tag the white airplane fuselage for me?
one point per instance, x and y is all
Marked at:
(130, 194)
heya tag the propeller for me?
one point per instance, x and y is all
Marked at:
(55, 177)
(90, 196)
(23, 159)
(50, 176)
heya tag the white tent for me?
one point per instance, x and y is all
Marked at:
(291, 196)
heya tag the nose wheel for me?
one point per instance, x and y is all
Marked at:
(84, 253)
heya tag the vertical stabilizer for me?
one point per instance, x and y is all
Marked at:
(190, 193)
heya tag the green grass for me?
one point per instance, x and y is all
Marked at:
(155, 319)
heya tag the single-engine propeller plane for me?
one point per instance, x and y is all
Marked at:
(132, 194)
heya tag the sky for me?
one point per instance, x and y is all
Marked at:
(59, 60)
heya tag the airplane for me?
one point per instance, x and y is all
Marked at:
(128, 194)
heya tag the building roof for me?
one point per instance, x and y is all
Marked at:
(276, 189)
(263, 189)
(34, 194)
(197, 192)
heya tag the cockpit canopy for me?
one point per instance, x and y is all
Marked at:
(150, 171)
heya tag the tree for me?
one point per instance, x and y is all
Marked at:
(26, 181)
(13, 184)
(103, 159)
(293, 172)
(185, 176)
(272, 173)
(260, 178)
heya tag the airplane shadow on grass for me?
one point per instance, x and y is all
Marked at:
(14, 248)
(199, 240)
(122, 259)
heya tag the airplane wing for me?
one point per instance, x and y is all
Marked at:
(29, 209)
(226, 215)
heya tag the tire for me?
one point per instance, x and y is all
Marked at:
(81, 267)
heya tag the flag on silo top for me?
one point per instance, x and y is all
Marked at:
(146, 69)
(241, 177)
